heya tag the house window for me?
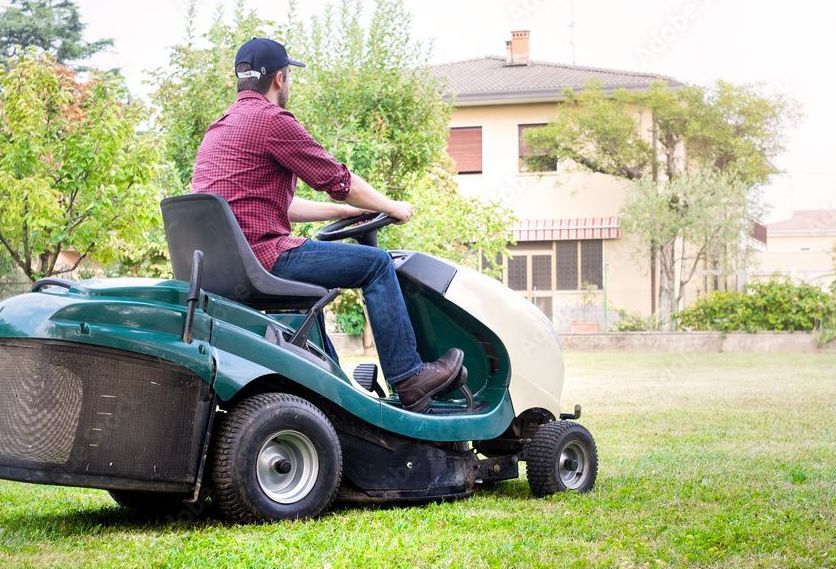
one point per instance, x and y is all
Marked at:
(541, 272)
(529, 161)
(518, 272)
(567, 265)
(592, 263)
(465, 148)
(556, 266)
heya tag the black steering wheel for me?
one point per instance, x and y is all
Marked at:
(362, 228)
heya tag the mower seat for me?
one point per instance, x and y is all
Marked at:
(230, 268)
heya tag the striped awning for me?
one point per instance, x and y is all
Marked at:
(567, 229)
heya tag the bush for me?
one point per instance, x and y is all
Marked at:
(633, 322)
(775, 305)
(348, 309)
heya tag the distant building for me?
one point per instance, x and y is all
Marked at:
(571, 250)
(802, 247)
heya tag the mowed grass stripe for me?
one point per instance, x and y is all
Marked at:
(707, 460)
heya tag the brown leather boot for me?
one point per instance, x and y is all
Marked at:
(416, 392)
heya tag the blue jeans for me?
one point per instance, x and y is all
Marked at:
(344, 265)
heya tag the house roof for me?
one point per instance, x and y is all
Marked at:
(489, 80)
(806, 222)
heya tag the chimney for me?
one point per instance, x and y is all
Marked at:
(517, 48)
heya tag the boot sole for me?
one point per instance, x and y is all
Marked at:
(423, 404)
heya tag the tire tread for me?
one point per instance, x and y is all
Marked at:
(230, 504)
(543, 452)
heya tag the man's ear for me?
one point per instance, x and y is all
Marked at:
(278, 81)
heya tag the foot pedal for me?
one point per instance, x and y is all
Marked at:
(461, 380)
(366, 375)
(468, 395)
(460, 383)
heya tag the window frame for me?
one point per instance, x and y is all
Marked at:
(521, 147)
(550, 249)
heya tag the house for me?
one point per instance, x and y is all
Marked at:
(802, 247)
(571, 257)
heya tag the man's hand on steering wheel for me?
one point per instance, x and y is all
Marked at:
(402, 211)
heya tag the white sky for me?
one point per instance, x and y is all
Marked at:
(787, 46)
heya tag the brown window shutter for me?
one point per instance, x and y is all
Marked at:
(465, 148)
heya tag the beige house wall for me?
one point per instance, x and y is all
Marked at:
(804, 258)
(567, 193)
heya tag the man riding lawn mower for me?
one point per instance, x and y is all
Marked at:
(165, 392)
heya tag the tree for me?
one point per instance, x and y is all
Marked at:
(364, 95)
(367, 95)
(53, 26)
(728, 129)
(697, 217)
(75, 173)
(199, 83)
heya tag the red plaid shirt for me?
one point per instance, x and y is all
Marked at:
(251, 157)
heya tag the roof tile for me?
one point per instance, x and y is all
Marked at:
(491, 77)
(811, 221)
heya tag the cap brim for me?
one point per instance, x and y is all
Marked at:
(296, 63)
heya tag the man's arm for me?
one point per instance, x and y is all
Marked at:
(296, 150)
(302, 210)
(364, 196)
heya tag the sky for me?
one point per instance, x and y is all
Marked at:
(787, 47)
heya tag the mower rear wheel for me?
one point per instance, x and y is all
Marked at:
(276, 457)
(561, 456)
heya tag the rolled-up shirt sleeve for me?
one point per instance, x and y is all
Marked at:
(292, 147)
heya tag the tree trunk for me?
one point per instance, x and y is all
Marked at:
(667, 284)
(653, 255)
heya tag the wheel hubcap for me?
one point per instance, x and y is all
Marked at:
(573, 466)
(287, 466)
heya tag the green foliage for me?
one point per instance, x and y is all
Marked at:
(728, 128)
(199, 82)
(348, 309)
(827, 333)
(12, 280)
(75, 172)
(365, 95)
(449, 225)
(709, 211)
(702, 208)
(53, 26)
(634, 322)
(738, 129)
(775, 305)
(352, 321)
(596, 131)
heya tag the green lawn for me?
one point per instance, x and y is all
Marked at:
(706, 460)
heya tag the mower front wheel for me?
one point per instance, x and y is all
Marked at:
(276, 457)
(561, 456)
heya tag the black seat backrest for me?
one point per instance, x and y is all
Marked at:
(230, 268)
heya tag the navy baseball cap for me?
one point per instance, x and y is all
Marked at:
(264, 56)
